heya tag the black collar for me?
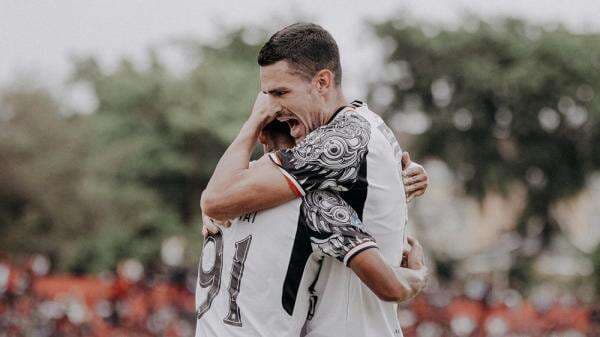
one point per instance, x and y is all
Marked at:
(356, 103)
(336, 112)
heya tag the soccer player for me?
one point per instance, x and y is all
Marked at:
(257, 277)
(340, 146)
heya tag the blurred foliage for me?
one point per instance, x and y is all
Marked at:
(90, 190)
(504, 102)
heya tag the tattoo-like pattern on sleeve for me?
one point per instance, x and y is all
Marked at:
(335, 226)
(330, 156)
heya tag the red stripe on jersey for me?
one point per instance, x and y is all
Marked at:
(292, 185)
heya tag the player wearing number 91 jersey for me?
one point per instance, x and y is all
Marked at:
(255, 276)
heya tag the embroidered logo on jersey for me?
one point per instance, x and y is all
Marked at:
(330, 156)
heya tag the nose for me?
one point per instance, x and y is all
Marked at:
(275, 106)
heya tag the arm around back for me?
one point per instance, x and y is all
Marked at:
(391, 284)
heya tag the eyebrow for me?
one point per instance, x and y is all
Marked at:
(272, 91)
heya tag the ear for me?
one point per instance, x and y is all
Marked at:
(324, 80)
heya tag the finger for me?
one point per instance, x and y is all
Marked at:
(267, 118)
(211, 227)
(421, 176)
(421, 190)
(416, 186)
(204, 231)
(414, 169)
(411, 197)
(415, 263)
(413, 241)
(226, 223)
(218, 222)
(414, 179)
(273, 113)
(416, 249)
(418, 193)
(415, 256)
(205, 218)
(405, 159)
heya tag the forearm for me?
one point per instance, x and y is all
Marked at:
(391, 284)
(230, 167)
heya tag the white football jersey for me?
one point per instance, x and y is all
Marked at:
(358, 155)
(255, 277)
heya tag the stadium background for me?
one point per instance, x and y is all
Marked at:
(107, 139)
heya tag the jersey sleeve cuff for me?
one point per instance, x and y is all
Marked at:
(357, 250)
(292, 182)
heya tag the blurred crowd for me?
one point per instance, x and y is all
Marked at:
(123, 304)
(477, 309)
(132, 303)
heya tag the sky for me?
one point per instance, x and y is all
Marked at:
(39, 38)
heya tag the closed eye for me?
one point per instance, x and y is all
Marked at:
(278, 92)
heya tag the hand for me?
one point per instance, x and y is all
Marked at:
(416, 264)
(414, 177)
(414, 256)
(263, 112)
(211, 226)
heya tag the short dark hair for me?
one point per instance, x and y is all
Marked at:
(307, 47)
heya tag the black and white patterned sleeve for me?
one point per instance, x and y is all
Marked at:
(329, 157)
(334, 227)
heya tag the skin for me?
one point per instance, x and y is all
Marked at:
(235, 188)
(414, 177)
(392, 284)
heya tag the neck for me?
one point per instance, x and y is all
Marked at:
(333, 104)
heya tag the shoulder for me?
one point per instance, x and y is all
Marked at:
(347, 133)
(348, 118)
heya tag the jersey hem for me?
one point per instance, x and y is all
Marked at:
(357, 250)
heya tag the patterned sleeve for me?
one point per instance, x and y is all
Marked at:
(329, 157)
(334, 227)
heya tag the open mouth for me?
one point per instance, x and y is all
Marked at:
(293, 123)
(276, 127)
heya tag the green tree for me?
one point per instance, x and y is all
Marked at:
(505, 102)
(93, 189)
